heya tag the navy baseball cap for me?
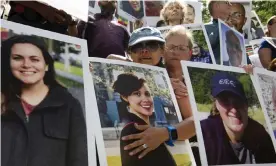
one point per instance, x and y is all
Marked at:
(145, 34)
(224, 81)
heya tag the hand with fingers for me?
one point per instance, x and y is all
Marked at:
(146, 141)
(248, 68)
(180, 89)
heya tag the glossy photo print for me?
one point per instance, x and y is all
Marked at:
(227, 115)
(39, 57)
(257, 30)
(266, 82)
(128, 93)
(232, 46)
(131, 9)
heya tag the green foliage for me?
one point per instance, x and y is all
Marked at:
(200, 79)
(107, 80)
(199, 38)
(264, 9)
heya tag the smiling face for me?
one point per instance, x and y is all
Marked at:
(237, 16)
(27, 63)
(189, 15)
(196, 49)
(233, 111)
(141, 101)
(135, 4)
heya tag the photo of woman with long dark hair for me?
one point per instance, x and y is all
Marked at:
(135, 8)
(138, 100)
(41, 122)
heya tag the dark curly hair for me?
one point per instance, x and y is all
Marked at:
(127, 83)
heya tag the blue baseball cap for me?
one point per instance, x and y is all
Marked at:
(145, 34)
(224, 81)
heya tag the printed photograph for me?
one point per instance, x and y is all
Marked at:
(126, 94)
(266, 82)
(42, 80)
(232, 46)
(201, 51)
(257, 30)
(131, 9)
(227, 115)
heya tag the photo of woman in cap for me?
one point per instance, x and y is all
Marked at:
(138, 99)
(134, 8)
(230, 135)
(41, 122)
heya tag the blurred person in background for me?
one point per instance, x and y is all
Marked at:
(104, 35)
(42, 16)
(134, 8)
(237, 18)
(173, 13)
(218, 10)
(267, 52)
(200, 55)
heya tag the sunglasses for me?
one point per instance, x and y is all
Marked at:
(150, 46)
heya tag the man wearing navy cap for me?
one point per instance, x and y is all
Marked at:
(230, 136)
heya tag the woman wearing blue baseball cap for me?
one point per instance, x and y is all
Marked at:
(230, 136)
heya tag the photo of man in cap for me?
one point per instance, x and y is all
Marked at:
(230, 135)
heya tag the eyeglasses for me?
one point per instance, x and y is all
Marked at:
(150, 46)
(236, 15)
(180, 48)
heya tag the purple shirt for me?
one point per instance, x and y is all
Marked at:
(103, 37)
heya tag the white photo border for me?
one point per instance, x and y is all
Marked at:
(244, 59)
(185, 65)
(99, 136)
(256, 72)
(87, 95)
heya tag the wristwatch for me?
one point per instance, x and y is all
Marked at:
(172, 135)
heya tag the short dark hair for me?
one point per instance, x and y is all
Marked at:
(127, 83)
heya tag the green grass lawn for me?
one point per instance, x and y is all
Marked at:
(257, 114)
(73, 69)
(67, 82)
